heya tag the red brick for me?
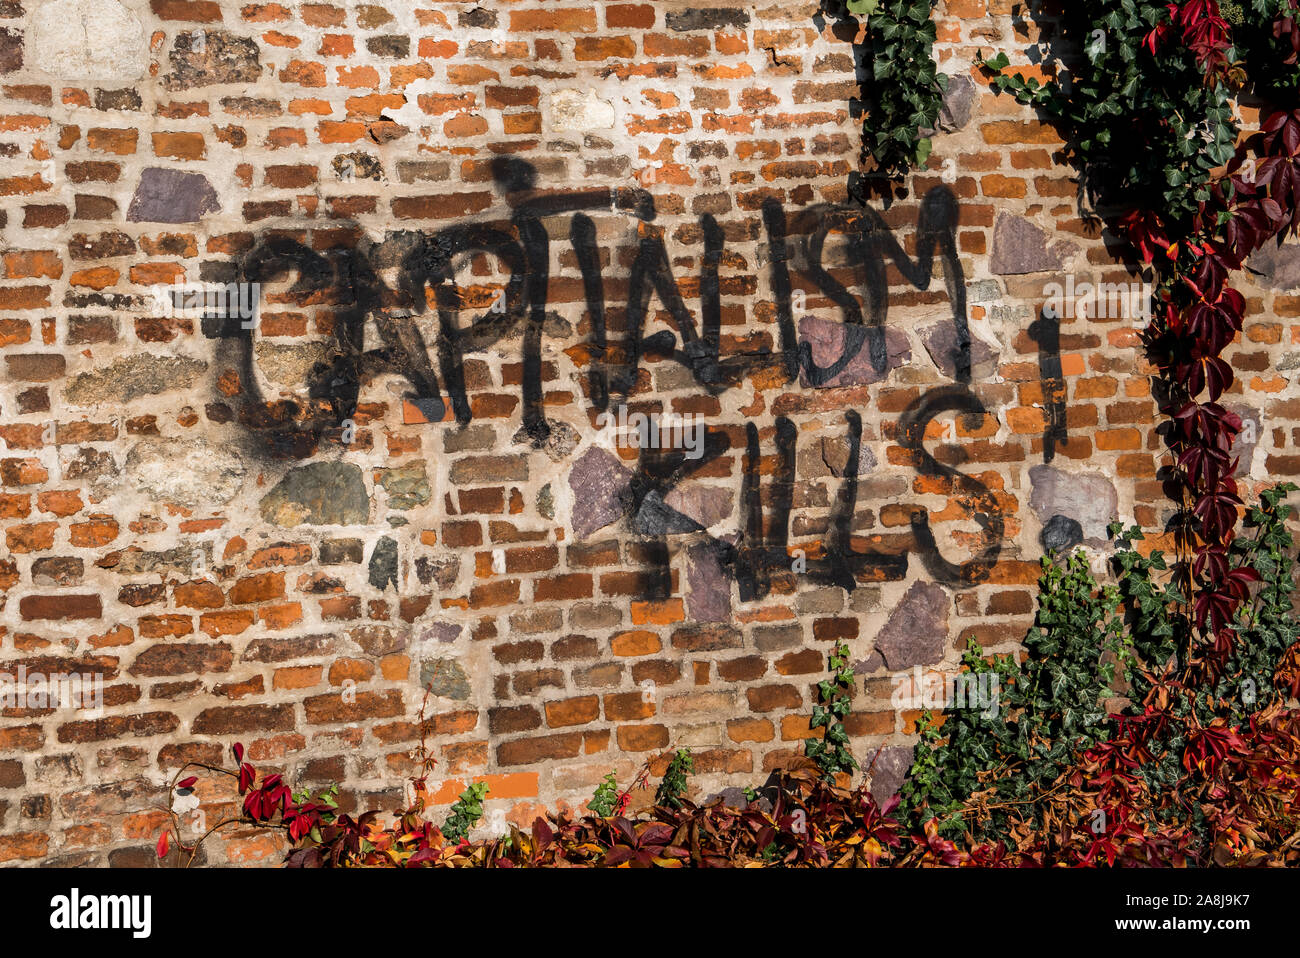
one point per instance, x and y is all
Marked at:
(632, 16)
(59, 607)
(193, 11)
(575, 711)
(558, 20)
(180, 146)
(604, 48)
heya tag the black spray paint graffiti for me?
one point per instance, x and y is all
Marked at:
(1046, 332)
(763, 547)
(348, 279)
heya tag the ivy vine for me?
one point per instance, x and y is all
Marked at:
(834, 701)
(902, 88)
(1148, 113)
(1092, 649)
(466, 812)
(673, 786)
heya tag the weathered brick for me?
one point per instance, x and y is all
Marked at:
(527, 751)
(57, 607)
(242, 719)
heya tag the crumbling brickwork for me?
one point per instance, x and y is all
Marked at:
(464, 232)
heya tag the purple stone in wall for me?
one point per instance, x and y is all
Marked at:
(598, 481)
(171, 196)
(940, 341)
(709, 595)
(826, 337)
(889, 772)
(1021, 247)
(917, 630)
(707, 505)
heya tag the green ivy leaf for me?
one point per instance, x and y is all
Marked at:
(999, 62)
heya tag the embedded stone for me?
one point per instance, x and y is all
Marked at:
(707, 505)
(88, 40)
(1243, 447)
(204, 57)
(290, 364)
(580, 110)
(442, 571)
(558, 444)
(1021, 247)
(654, 517)
(708, 597)
(445, 678)
(407, 486)
(185, 472)
(341, 551)
(916, 632)
(1088, 498)
(58, 570)
(172, 196)
(380, 640)
(357, 166)
(441, 633)
(1278, 266)
(132, 377)
(870, 665)
(182, 560)
(383, 564)
(1060, 533)
(958, 103)
(827, 339)
(318, 494)
(835, 453)
(940, 341)
(957, 106)
(599, 482)
(90, 464)
(889, 770)
(546, 502)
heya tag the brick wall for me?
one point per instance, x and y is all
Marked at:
(475, 228)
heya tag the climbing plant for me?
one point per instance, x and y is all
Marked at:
(466, 812)
(672, 788)
(1205, 646)
(1098, 720)
(834, 701)
(1150, 117)
(902, 88)
(605, 799)
(1047, 714)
